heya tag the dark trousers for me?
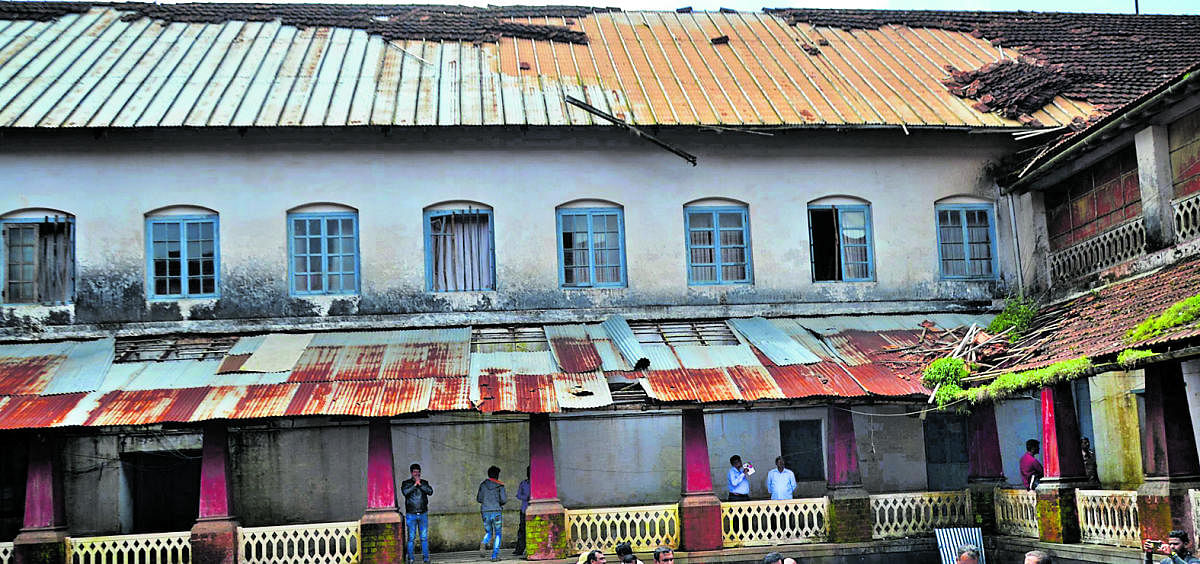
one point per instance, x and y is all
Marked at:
(739, 497)
(520, 536)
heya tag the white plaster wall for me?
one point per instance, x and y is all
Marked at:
(891, 448)
(1018, 419)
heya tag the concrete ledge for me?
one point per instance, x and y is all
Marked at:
(1012, 549)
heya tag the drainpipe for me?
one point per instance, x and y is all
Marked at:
(1012, 224)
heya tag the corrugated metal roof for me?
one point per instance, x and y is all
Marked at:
(695, 385)
(715, 356)
(582, 391)
(611, 358)
(572, 348)
(626, 342)
(277, 353)
(97, 70)
(773, 342)
(27, 375)
(839, 323)
(31, 412)
(85, 367)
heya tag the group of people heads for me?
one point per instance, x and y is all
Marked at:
(662, 555)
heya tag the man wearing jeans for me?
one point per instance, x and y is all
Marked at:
(491, 500)
(416, 494)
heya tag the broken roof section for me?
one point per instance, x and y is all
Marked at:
(251, 65)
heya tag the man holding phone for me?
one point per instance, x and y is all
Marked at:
(1177, 548)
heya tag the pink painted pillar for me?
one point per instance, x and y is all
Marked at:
(1062, 461)
(850, 518)
(546, 519)
(1169, 457)
(699, 507)
(382, 527)
(843, 450)
(214, 536)
(985, 468)
(41, 540)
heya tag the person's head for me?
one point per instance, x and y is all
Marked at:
(494, 472)
(967, 554)
(1178, 540)
(1086, 443)
(1038, 557)
(415, 470)
(773, 558)
(1032, 446)
(735, 461)
(779, 463)
(664, 554)
(596, 556)
(624, 548)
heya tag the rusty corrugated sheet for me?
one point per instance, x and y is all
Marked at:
(696, 385)
(501, 391)
(450, 394)
(864, 352)
(84, 369)
(144, 407)
(582, 391)
(611, 358)
(754, 382)
(780, 347)
(27, 375)
(572, 348)
(714, 356)
(626, 342)
(31, 412)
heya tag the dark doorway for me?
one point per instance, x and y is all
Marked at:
(946, 451)
(165, 487)
(12, 487)
(803, 449)
(826, 256)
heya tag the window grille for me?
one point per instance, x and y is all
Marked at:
(161, 349)
(39, 260)
(703, 333)
(509, 339)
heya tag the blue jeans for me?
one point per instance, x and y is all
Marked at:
(414, 522)
(492, 524)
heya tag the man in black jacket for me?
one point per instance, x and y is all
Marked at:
(416, 494)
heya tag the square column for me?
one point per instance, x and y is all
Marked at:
(850, 518)
(214, 536)
(1169, 457)
(545, 519)
(41, 540)
(1155, 181)
(1062, 460)
(699, 507)
(381, 526)
(985, 467)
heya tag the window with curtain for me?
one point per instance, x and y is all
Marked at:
(39, 259)
(182, 252)
(966, 241)
(718, 245)
(591, 247)
(460, 255)
(840, 237)
(323, 248)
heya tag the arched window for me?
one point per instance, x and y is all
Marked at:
(38, 256)
(460, 249)
(323, 249)
(966, 238)
(839, 229)
(182, 253)
(591, 244)
(718, 242)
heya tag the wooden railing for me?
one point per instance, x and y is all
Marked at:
(919, 513)
(153, 548)
(759, 523)
(319, 543)
(6, 553)
(645, 527)
(1108, 517)
(1016, 512)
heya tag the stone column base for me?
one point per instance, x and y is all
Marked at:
(1163, 506)
(700, 522)
(40, 546)
(850, 518)
(1058, 517)
(983, 502)
(382, 533)
(546, 530)
(214, 541)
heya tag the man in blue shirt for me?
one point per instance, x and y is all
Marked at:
(739, 482)
(781, 482)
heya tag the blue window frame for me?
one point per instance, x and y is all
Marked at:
(182, 256)
(718, 245)
(591, 247)
(38, 263)
(966, 236)
(323, 248)
(840, 243)
(460, 250)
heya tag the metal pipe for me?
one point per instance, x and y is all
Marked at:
(1012, 224)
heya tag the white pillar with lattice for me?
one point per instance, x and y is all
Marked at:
(318, 543)
(761, 523)
(646, 527)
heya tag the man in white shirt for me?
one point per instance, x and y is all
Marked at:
(781, 482)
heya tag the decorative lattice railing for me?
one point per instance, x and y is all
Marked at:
(1108, 517)
(1187, 218)
(1117, 245)
(1016, 512)
(319, 543)
(6, 553)
(646, 527)
(153, 548)
(758, 523)
(919, 513)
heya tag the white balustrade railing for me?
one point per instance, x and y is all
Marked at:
(152, 548)
(759, 523)
(1187, 217)
(6, 553)
(646, 527)
(318, 543)
(919, 513)
(1108, 517)
(1016, 512)
(1119, 244)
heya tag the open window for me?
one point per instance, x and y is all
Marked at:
(966, 240)
(459, 248)
(840, 236)
(323, 249)
(38, 257)
(182, 253)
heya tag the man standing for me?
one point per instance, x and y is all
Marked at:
(739, 485)
(664, 555)
(523, 495)
(491, 500)
(416, 494)
(781, 482)
(1177, 548)
(1031, 469)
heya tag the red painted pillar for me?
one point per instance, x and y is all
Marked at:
(1062, 461)
(985, 467)
(850, 518)
(41, 540)
(546, 520)
(1169, 458)
(214, 536)
(699, 507)
(382, 526)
